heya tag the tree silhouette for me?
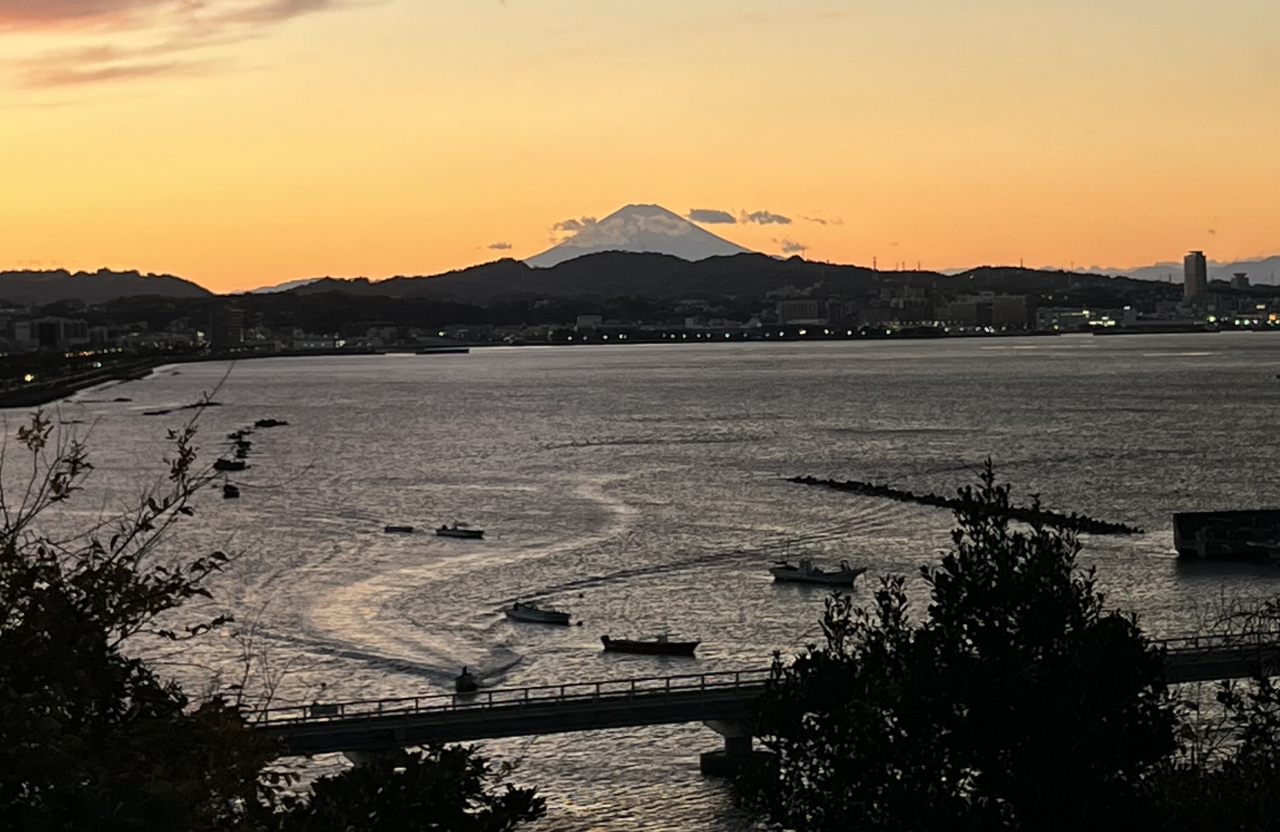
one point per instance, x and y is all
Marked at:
(1017, 702)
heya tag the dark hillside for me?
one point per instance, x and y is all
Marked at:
(36, 288)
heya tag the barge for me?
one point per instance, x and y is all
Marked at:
(1252, 534)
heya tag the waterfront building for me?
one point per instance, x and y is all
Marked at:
(1011, 311)
(801, 311)
(1195, 276)
(226, 327)
(50, 333)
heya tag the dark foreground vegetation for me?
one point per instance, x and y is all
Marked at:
(94, 739)
(1016, 701)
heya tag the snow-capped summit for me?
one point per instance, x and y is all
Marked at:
(640, 228)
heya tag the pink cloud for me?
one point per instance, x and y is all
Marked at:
(20, 14)
(162, 34)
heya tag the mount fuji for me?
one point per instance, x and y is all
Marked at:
(636, 228)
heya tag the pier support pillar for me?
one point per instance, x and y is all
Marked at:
(737, 749)
(360, 759)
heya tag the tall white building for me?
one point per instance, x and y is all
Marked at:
(1195, 276)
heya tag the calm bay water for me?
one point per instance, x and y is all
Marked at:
(642, 488)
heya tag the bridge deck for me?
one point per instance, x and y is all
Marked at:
(373, 725)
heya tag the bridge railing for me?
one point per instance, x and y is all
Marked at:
(513, 697)
(1221, 641)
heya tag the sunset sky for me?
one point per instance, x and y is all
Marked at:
(247, 142)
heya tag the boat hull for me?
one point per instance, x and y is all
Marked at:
(533, 615)
(461, 534)
(652, 648)
(844, 577)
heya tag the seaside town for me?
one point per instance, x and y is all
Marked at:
(901, 304)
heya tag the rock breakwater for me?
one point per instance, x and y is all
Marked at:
(1027, 514)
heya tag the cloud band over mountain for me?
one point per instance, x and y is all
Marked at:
(764, 218)
(710, 216)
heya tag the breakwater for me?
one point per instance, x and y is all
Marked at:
(1027, 514)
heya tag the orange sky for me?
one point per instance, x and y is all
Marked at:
(246, 142)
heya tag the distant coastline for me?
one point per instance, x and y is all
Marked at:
(24, 395)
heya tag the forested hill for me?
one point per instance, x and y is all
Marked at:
(615, 274)
(660, 276)
(36, 288)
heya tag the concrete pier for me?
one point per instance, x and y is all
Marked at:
(724, 701)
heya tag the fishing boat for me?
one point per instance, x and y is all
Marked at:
(229, 464)
(398, 529)
(230, 491)
(465, 682)
(456, 531)
(807, 573)
(523, 611)
(661, 645)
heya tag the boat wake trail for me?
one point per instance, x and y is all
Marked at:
(637, 572)
(708, 439)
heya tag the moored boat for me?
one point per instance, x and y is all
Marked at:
(465, 682)
(230, 491)
(522, 611)
(659, 646)
(229, 464)
(1249, 534)
(456, 531)
(398, 529)
(807, 573)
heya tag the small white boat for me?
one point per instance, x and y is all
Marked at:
(807, 573)
(523, 611)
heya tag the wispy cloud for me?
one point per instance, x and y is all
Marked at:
(588, 232)
(822, 220)
(135, 38)
(710, 216)
(25, 14)
(90, 64)
(572, 226)
(499, 246)
(764, 218)
(790, 246)
(275, 11)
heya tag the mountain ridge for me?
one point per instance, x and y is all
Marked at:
(664, 276)
(41, 286)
